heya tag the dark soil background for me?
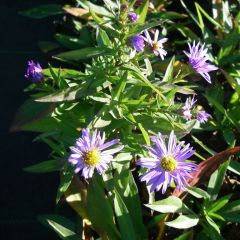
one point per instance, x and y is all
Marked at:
(23, 196)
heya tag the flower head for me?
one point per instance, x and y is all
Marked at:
(203, 116)
(187, 108)
(90, 152)
(137, 42)
(155, 44)
(34, 72)
(133, 16)
(167, 164)
(198, 58)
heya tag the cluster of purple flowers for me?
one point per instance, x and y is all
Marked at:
(197, 55)
(166, 164)
(188, 110)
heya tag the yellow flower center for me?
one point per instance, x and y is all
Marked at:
(168, 163)
(92, 157)
(157, 46)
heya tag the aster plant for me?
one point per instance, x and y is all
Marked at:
(119, 110)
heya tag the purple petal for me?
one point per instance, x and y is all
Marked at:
(108, 144)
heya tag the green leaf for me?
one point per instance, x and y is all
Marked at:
(144, 133)
(60, 82)
(212, 229)
(64, 72)
(142, 11)
(206, 148)
(99, 209)
(133, 203)
(167, 15)
(231, 217)
(66, 179)
(221, 109)
(123, 218)
(229, 136)
(168, 76)
(43, 11)
(31, 112)
(201, 10)
(171, 204)
(47, 124)
(213, 224)
(46, 166)
(54, 146)
(183, 222)
(68, 94)
(220, 203)
(234, 167)
(215, 216)
(198, 192)
(64, 228)
(96, 18)
(216, 180)
(232, 207)
(96, 8)
(103, 39)
(194, 17)
(186, 32)
(135, 72)
(69, 41)
(84, 53)
(127, 188)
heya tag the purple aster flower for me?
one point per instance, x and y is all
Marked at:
(167, 164)
(133, 16)
(34, 72)
(203, 116)
(187, 108)
(198, 56)
(137, 42)
(155, 44)
(90, 152)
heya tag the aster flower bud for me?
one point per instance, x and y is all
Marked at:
(133, 16)
(187, 108)
(124, 7)
(203, 116)
(137, 42)
(34, 72)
